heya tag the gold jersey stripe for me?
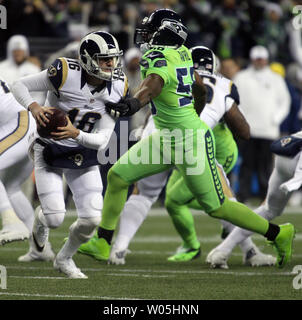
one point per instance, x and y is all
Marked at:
(126, 86)
(15, 136)
(64, 72)
(225, 187)
(230, 89)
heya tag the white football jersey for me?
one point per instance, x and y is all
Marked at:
(221, 94)
(9, 107)
(84, 104)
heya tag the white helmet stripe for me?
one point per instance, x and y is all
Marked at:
(101, 43)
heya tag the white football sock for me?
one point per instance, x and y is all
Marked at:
(238, 235)
(79, 232)
(134, 213)
(23, 209)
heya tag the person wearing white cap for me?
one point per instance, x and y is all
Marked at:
(16, 65)
(265, 102)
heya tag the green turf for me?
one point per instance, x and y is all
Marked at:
(147, 274)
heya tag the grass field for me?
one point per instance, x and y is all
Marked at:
(147, 274)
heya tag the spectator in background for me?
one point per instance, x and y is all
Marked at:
(55, 14)
(231, 28)
(17, 63)
(272, 34)
(295, 37)
(25, 17)
(196, 15)
(229, 68)
(108, 15)
(291, 124)
(265, 102)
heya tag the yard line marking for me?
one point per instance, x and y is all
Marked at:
(148, 252)
(37, 277)
(209, 271)
(162, 212)
(63, 296)
(138, 275)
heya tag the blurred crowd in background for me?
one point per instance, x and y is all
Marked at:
(231, 28)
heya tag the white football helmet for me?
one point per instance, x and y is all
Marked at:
(204, 59)
(100, 45)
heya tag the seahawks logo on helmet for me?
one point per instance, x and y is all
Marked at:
(97, 46)
(162, 28)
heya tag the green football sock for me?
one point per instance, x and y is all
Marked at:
(114, 201)
(241, 216)
(183, 222)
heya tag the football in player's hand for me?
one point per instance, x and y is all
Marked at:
(57, 119)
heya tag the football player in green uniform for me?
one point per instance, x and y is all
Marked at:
(182, 140)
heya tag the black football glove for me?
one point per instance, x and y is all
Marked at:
(123, 108)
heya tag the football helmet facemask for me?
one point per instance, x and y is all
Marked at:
(162, 28)
(204, 59)
(96, 46)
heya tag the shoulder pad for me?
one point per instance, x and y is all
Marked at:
(234, 93)
(57, 73)
(154, 55)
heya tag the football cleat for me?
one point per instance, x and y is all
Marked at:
(67, 266)
(13, 232)
(34, 255)
(218, 259)
(117, 256)
(283, 244)
(255, 258)
(185, 254)
(96, 247)
(40, 232)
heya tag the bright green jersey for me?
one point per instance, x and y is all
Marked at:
(174, 107)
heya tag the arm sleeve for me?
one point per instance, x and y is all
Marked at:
(99, 138)
(21, 88)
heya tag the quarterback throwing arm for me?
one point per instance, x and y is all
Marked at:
(61, 80)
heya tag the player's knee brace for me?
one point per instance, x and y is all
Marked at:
(89, 204)
(54, 220)
(83, 229)
(53, 208)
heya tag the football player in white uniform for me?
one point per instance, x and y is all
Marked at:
(80, 88)
(285, 179)
(222, 101)
(16, 124)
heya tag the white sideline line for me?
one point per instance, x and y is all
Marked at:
(162, 212)
(168, 239)
(63, 296)
(37, 277)
(137, 275)
(210, 271)
(148, 252)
